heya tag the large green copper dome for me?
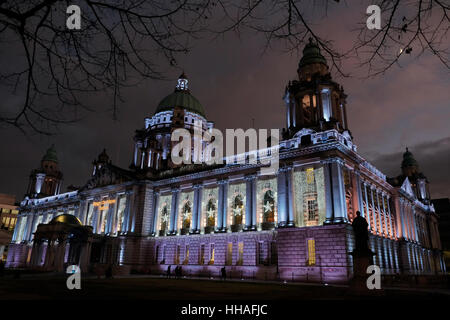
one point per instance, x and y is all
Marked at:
(181, 98)
(311, 54)
(50, 155)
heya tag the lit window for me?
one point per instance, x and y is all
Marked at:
(311, 252)
(310, 175)
(312, 209)
(230, 254)
(201, 256)
(240, 254)
(186, 255)
(212, 254)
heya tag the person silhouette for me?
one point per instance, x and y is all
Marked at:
(223, 273)
(361, 232)
(168, 272)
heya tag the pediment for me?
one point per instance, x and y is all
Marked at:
(108, 175)
(407, 188)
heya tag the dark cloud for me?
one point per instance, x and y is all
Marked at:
(434, 161)
(236, 82)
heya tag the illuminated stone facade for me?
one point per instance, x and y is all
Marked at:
(292, 225)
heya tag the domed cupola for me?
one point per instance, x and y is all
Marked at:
(419, 182)
(314, 101)
(178, 110)
(312, 62)
(181, 98)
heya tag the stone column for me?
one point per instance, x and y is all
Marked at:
(135, 157)
(174, 211)
(366, 197)
(40, 177)
(357, 196)
(220, 205)
(402, 225)
(290, 196)
(338, 189)
(328, 192)
(34, 253)
(383, 198)
(374, 210)
(413, 214)
(199, 208)
(248, 202)
(133, 209)
(194, 223)
(225, 206)
(155, 212)
(60, 253)
(254, 204)
(127, 212)
(380, 214)
(110, 216)
(391, 220)
(85, 253)
(282, 198)
(95, 218)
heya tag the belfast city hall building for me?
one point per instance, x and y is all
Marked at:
(294, 224)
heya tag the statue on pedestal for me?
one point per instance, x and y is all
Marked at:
(362, 255)
(361, 232)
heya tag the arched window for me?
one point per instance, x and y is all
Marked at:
(187, 215)
(269, 207)
(164, 219)
(211, 213)
(238, 206)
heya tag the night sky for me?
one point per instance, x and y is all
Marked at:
(235, 81)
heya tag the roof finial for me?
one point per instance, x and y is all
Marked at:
(182, 84)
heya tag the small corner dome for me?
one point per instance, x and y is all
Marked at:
(50, 155)
(312, 55)
(182, 98)
(409, 160)
(67, 219)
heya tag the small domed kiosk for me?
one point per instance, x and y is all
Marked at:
(62, 242)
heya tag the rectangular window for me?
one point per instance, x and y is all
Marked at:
(273, 253)
(164, 255)
(186, 255)
(240, 254)
(311, 252)
(201, 256)
(230, 254)
(312, 209)
(212, 254)
(157, 254)
(261, 254)
(177, 255)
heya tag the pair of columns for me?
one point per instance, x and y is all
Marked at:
(407, 220)
(336, 209)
